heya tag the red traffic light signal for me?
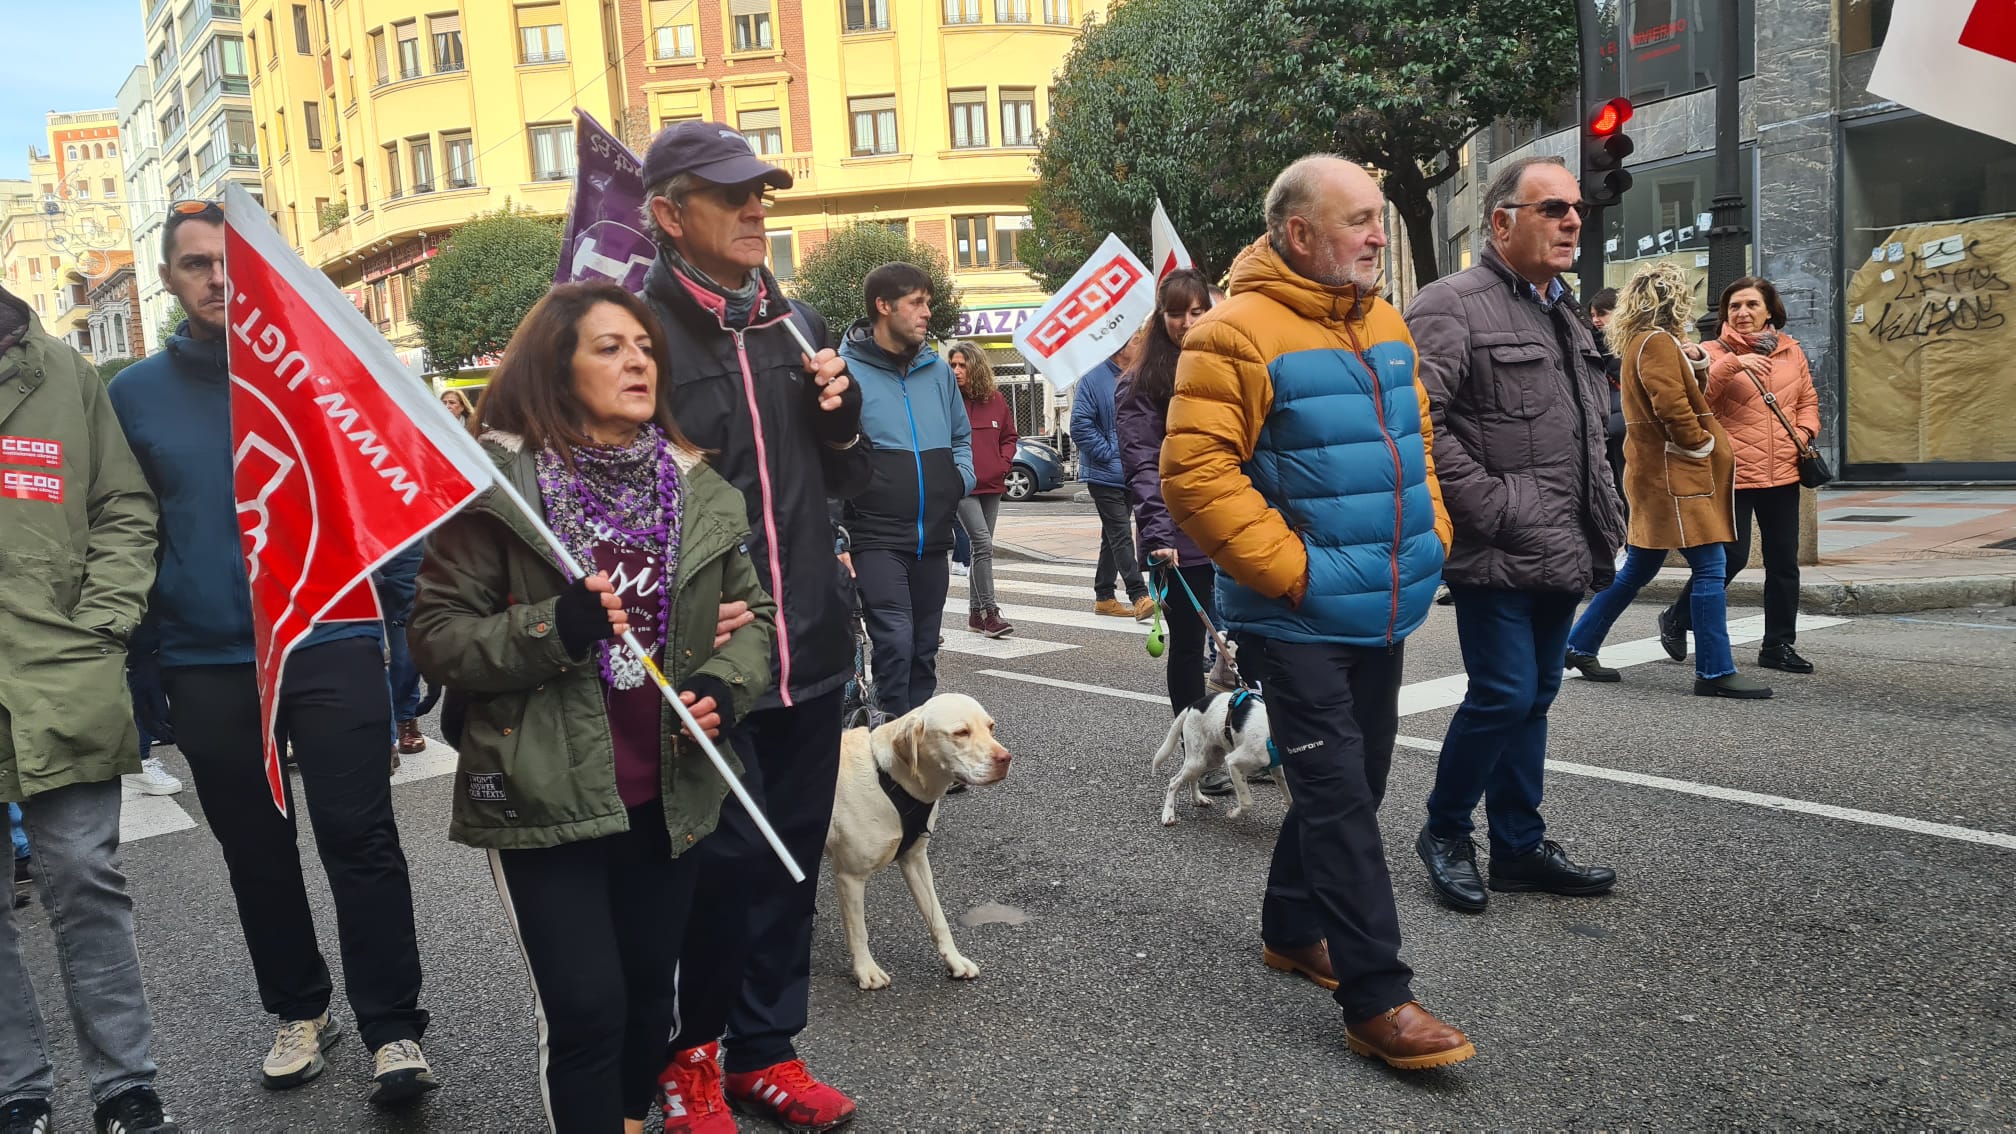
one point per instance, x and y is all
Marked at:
(1611, 117)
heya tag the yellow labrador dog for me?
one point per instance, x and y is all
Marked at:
(891, 779)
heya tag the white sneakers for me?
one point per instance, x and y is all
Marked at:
(153, 779)
(297, 1051)
(401, 1072)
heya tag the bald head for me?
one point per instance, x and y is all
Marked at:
(1325, 218)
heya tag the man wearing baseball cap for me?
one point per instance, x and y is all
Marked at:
(785, 429)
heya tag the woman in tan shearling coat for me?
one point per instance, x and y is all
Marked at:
(1679, 474)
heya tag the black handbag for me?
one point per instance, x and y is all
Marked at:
(1813, 470)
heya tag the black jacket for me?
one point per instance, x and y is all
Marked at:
(742, 395)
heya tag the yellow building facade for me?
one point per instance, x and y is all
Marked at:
(60, 228)
(403, 119)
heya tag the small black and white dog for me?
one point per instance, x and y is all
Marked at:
(1223, 730)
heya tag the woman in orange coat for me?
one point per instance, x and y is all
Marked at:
(1752, 356)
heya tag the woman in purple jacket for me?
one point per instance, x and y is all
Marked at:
(1143, 419)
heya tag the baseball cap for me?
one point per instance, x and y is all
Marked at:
(711, 151)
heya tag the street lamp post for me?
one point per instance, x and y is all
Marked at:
(1729, 236)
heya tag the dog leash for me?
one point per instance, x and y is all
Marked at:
(1224, 648)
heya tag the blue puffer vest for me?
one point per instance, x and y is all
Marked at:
(1349, 473)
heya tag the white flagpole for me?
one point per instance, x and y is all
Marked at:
(575, 572)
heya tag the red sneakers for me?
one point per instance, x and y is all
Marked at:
(786, 1093)
(690, 1092)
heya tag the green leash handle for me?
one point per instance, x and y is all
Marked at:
(1157, 642)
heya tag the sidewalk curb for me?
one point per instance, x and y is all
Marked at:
(1869, 596)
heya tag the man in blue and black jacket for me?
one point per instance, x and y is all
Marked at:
(923, 466)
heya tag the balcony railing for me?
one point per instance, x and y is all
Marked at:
(166, 77)
(201, 14)
(173, 136)
(799, 166)
(154, 10)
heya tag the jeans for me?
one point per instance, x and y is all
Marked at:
(903, 603)
(333, 708)
(594, 919)
(402, 677)
(1185, 659)
(1116, 545)
(1777, 513)
(76, 833)
(1496, 746)
(746, 965)
(1334, 712)
(14, 828)
(976, 518)
(1708, 606)
(962, 544)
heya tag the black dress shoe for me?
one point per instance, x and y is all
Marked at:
(1452, 867)
(1547, 869)
(1785, 658)
(1672, 638)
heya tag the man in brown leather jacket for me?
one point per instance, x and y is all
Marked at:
(1520, 400)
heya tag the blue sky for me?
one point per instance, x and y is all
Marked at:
(62, 55)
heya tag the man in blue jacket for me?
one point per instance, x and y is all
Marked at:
(175, 409)
(1095, 429)
(901, 527)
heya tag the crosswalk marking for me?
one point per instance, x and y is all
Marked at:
(1082, 592)
(145, 816)
(1075, 619)
(1079, 686)
(1000, 649)
(1061, 569)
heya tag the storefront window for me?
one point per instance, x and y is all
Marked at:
(1664, 217)
(1929, 252)
(1671, 45)
(1864, 24)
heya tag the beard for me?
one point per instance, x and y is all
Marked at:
(1329, 271)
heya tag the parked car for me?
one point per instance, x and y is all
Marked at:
(1036, 468)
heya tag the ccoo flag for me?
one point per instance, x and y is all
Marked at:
(1169, 253)
(1955, 60)
(339, 456)
(1094, 315)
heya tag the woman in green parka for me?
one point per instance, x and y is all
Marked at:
(574, 774)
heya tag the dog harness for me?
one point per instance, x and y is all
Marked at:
(914, 813)
(1235, 718)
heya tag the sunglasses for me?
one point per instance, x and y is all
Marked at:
(735, 196)
(198, 208)
(1554, 208)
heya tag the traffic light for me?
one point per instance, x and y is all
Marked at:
(1605, 145)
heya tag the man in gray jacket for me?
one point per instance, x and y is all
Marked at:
(74, 574)
(1519, 398)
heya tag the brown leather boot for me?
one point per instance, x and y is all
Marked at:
(411, 743)
(1409, 1038)
(1310, 961)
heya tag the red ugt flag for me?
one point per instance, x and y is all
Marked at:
(340, 456)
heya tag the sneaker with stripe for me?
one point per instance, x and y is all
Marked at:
(787, 1094)
(689, 1092)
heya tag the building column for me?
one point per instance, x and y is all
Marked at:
(1797, 206)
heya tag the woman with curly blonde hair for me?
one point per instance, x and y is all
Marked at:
(1679, 476)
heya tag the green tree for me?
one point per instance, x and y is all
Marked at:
(1398, 85)
(112, 366)
(830, 276)
(1130, 123)
(480, 286)
(169, 322)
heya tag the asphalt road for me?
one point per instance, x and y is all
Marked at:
(1764, 961)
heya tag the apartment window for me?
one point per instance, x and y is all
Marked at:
(408, 37)
(363, 185)
(764, 129)
(969, 119)
(422, 152)
(350, 78)
(34, 267)
(972, 242)
(238, 134)
(874, 124)
(962, 11)
(163, 59)
(1018, 116)
(752, 24)
(1008, 232)
(781, 264)
(230, 56)
(552, 152)
(272, 42)
(311, 124)
(458, 153)
(867, 15)
(111, 187)
(392, 187)
(384, 74)
(541, 38)
(265, 141)
(302, 43)
(672, 29)
(1011, 11)
(280, 127)
(446, 32)
(1057, 11)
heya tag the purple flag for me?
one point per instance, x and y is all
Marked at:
(603, 240)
